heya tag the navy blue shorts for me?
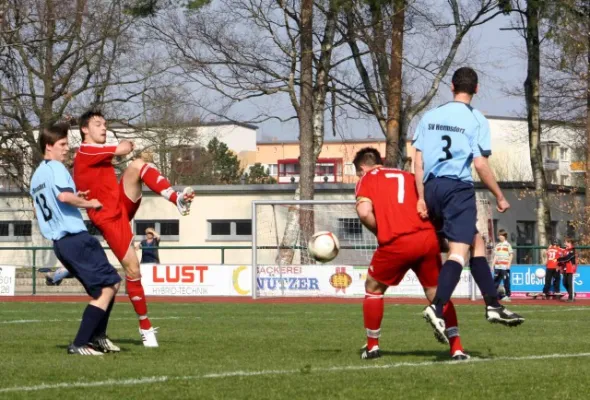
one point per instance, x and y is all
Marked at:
(84, 257)
(452, 208)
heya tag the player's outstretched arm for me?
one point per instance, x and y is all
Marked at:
(487, 177)
(125, 147)
(76, 201)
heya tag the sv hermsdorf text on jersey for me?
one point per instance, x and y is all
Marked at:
(448, 128)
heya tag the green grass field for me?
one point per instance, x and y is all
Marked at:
(293, 351)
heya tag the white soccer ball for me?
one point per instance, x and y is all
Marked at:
(540, 273)
(323, 246)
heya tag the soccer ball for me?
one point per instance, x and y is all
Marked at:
(323, 246)
(540, 273)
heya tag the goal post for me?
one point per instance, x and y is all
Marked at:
(282, 265)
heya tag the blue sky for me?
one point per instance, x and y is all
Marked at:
(498, 56)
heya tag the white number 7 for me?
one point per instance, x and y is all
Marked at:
(400, 185)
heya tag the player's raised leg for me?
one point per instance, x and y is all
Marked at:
(139, 171)
(373, 306)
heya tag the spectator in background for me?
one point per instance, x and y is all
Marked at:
(552, 275)
(569, 264)
(503, 254)
(149, 247)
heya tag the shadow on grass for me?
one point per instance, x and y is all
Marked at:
(438, 355)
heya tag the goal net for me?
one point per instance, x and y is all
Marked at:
(283, 267)
(282, 264)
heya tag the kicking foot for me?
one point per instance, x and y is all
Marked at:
(148, 336)
(437, 324)
(501, 315)
(367, 354)
(184, 200)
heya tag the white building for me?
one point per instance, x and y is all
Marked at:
(560, 146)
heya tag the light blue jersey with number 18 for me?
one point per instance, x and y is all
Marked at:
(56, 219)
(450, 137)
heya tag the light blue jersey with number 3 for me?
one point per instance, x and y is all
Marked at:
(450, 137)
(56, 219)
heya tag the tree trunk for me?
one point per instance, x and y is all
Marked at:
(394, 90)
(587, 176)
(531, 87)
(306, 156)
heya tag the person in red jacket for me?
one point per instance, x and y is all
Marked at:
(568, 259)
(553, 274)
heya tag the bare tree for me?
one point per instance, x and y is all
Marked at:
(529, 18)
(245, 49)
(428, 31)
(61, 56)
(566, 77)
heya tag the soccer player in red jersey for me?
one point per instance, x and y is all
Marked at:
(94, 172)
(386, 205)
(552, 274)
(569, 261)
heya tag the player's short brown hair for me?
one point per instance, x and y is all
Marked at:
(85, 118)
(570, 239)
(50, 135)
(367, 156)
(465, 80)
(502, 232)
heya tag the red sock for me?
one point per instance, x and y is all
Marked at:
(450, 317)
(373, 315)
(157, 183)
(137, 297)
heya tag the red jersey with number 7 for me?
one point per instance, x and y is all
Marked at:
(392, 192)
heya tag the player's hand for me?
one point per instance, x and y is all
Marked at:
(83, 195)
(422, 209)
(95, 204)
(127, 146)
(502, 204)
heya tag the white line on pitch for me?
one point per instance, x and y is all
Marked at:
(157, 379)
(36, 321)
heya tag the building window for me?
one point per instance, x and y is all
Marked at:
(551, 176)
(571, 230)
(168, 229)
(525, 236)
(350, 229)
(16, 231)
(564, 154)
(229, 229)
(349, 169)
(273, 169)
(564, 180)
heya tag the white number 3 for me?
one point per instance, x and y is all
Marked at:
(400, 185)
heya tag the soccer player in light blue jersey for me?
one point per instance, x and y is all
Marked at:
(448, 140)
(56, 205)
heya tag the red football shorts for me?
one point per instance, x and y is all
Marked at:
(117, 230)
(418, 251)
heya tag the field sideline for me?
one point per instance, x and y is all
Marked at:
(220, 348)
